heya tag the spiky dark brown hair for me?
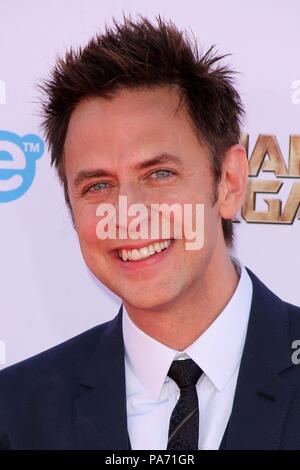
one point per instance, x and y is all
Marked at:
(138, 54)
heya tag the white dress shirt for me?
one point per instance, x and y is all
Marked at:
(151, 395)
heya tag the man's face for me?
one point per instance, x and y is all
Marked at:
(112, 140)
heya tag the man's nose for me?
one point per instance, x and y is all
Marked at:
(132, 202)
(133, 192)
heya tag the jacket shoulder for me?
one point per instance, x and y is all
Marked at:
(294, 318)
(64, 360)
(40, 391)
(265, 293)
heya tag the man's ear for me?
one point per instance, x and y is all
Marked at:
(233, 183)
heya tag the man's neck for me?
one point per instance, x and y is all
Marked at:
(179, 324)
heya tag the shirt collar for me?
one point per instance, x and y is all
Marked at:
(217, 351)
(148, 359)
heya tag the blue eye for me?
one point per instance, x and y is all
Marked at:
(98, 187)
(162, 174)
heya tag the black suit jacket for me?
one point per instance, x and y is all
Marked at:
(73, 395)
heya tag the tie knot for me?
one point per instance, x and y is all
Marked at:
(185, 373)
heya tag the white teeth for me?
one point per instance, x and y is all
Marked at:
(157, 247)
(151, 249)
(144, 252)
(135, 255)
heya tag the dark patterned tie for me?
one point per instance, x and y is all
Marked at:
(184, 422)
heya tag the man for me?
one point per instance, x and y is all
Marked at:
(200, 353)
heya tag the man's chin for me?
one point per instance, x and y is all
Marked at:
(149, 303)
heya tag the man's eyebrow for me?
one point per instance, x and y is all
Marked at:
(89, 174)
(98, 173)
(158, 160)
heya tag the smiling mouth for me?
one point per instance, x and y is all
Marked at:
(144, 252)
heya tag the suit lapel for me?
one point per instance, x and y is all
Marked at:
(100, 406)
(262, 397)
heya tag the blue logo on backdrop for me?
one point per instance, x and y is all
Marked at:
(18, 157)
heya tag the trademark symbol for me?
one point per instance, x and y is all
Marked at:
(31, 147)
